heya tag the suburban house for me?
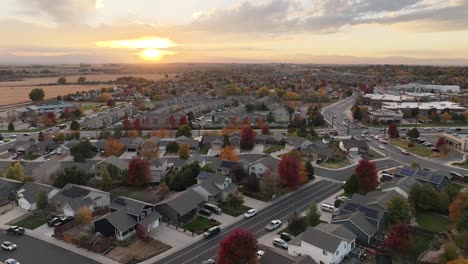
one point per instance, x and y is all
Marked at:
(225, 167)
(272, 256)
(8, 190)
(354, 147)
(27, 195)
(263, 166)
(319, 150)
(111, 160)
(132, 144)
(71, 198)
(213, 187)
(275, 139)
(325, 243)
(158, 169)
(126, 214)
(298, 143)
(180, 207)
(193, 144)
(213, 142)
(423, 176)
(399, 185)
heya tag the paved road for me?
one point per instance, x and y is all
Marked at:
(300, 200)
(34, 251)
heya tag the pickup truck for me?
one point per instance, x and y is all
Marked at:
(15, 230)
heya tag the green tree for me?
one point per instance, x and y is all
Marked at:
(357, 113)
(62, 80)
(74, 125)
(295, 224)
(172, 147)
(235, 200)
(106, 180)
(269, 186)
(184, 131)
(42, 199)
(270, 118)
(15, 172)
(83, 150)
(11, 127)
(114, 171)
(71, 175)
(413, 133)
(399, 211)
(313, 214)
(37, 95)
(310, 170)
(351, 185)
(185, 177)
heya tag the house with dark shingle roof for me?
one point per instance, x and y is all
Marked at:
(28, 193)
(264, 166)
(181, 206)
(213, 187)
(325, 243)
(438, 181)
(8, 190)
(126, 215)
(272, 256)
(354, 147)
(71, 198)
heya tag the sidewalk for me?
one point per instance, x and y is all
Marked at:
(11, 215)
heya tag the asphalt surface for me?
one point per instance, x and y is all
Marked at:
(296, 201)
(34, 251)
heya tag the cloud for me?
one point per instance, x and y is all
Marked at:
(62, 11)
(328, 16)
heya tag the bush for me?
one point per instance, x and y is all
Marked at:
(450, 252)
(410, 145)
(337, 203)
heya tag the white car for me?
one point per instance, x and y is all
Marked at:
(343, 198)
(260, 253)
(404, 152)
(11, 261)
(278, 242)
(250, 213)
(7, 245)
(381, 147)
(274, 224)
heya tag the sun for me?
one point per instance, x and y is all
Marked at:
(150, 54)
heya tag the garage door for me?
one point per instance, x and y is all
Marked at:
(68, 212)
(24, 204)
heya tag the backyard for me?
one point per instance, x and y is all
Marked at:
(134, 193)
(432, 222)
(418, 149)
(200, 224)
(420, 243)
(228, 209)
(30, 221)
(272, 149)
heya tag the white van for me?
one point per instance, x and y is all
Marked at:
(328, 207)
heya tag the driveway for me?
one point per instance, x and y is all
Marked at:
(16, 213)
(254, 203)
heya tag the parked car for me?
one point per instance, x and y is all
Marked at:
(319, 160)
(404, 151)
(343, 198)
(278, 242)
(260, 253)
(212, 232)
(328, 207)
(250, 213)
(26, 134)
(274, 224)
(204, 212)
(428, 144)
(15, 230)
(213, 208)
(7, 245)
(209, 261)
(286, 236)
(11, 261)
(63, 220)
(381, 147)
(52, 221)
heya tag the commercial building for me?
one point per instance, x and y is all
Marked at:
(428, 88)
(457, 141)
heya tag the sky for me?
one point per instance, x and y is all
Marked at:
(253, 31)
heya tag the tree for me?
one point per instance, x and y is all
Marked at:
(114, 171)
(399, 238)
(265, 130)
(49, 119)
(351, 185)
(458, 261)
(228, 153)
(138, 172)
(163, 189)
(184, 131)
(398, 210)
(74, 125)
(142, 233)
(238, 173)
(393, 130)
(185, 177)
(252, 183)
(238, 247)
(183, 120)
(172, 122)
(413, 133)
(289, 171)
(458, 209)
(246, 121)
(126, 123)
(260, 123)
(445, 117)
(104, 97)
(106, 180)
(83, 150)
(71, 175)
(269, 186)
(172, 147)
(149, 150)
(425, 197)
(11, 126)
(450, 252)
(137, 123)
(37, 95)
(42, 199)
(81, 80)
(310, 170)
(366, 173)
(110, 103)
(15, 171)
(113, 147)
(247, 140)
(133, 133)
(263, 91)
(296, 224)
(313, 215)
(440, 142)
(235, 200)
(184, 151)
(62, 80)
(357, 113)
(84, 215)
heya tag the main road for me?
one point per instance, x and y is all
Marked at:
(297, 201)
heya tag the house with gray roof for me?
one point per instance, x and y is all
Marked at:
(28, 193)
(111, 160)
(45, 170)
(264, 166)
(159, 169)
(400, 185)
(8, 190)
(180, 207)
(298, 143)
(272, 256)
(71, 198)
(125, 217)
(325, 243)
(354, 147)
(213, 187)
(437, 180)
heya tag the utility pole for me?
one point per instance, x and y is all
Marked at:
(333, 119)
(347, 133)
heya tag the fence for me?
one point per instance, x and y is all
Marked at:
(100, 212)
(60, 230)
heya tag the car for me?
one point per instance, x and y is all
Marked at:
(52, 221)
(404, 151)
(286, 236)
(319, 160)
(212, 232)
(428, 144)
(13, 136)
(383, 141)
(343, 198)
(377, 137)
(63, 220)
(250, 213)
(439, 129)
(274, 224)
(209, 261)
(260, 253)
(427, 128)
(343, 183)
(381, 147)
(455, 174)
(278, 242)
(402, 129)
(7, 245)
(15, 230)
(11, 261)
(368, 139)
(204, 212)
(213, 208)
(26, 134)
(458, 129)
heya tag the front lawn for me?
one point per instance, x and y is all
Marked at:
(31, 221)
(432, 222)
(30, 156)
(272, 149)
(227, 209)
(420, 243)
(137, 251)
(463, 165)
(330, 164)
(418, 149)
(200, 225)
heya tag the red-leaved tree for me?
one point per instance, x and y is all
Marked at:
(393, 130)
(183, 120)
(289, 171)
(399, 238)
(126, 123)
(138, 172)
(142, 233)
(172, 122)
(247, 140)
(265, 130)
(366, 173)
(458, 207)
(137, 123)
(110, 102)
(440, 142)
(238, 247)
